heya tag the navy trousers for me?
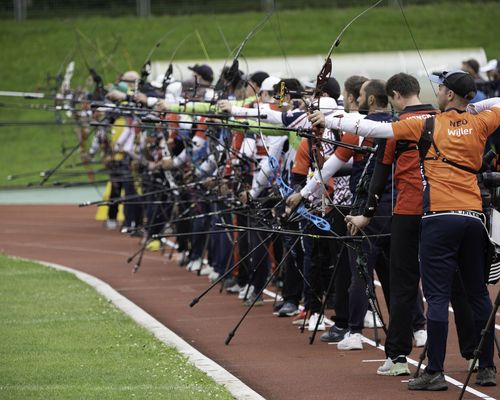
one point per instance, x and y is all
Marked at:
(451, 243)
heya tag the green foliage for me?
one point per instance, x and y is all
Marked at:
(33, 49)
(60, 340)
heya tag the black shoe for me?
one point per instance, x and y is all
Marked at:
(427, 381)
(486, 376)
(288, 310)
(334, 334)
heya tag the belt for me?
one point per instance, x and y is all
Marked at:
(466, 213)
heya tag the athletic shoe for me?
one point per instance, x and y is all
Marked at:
(249, 301)
(427, 381)
(391, 368)
(288, 309)
(111, 224)
(368, 322)
(277, 306)
(313, 321)
(420, 337)
(486, 376)
(334, 334)
(183, 258)
(299, 318)
(194, 265)
(243, 292)
(234, 289)
(206, 270)
(213, 276)
(469, 365)
(153, 245)
(351, 341)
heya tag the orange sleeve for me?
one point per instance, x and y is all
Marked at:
(345, 154)
(489, 119)
(301, 163)
(408, 129)
(389, 152)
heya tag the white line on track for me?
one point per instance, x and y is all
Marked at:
(237, 388)
(410, 361)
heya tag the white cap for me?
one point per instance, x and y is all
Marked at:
(492, 64)
(268, 83)
(326, 104)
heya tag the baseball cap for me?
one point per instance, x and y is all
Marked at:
(268, 83)
(491, 65)
(459, 81)
(204, 71)
(258, 77)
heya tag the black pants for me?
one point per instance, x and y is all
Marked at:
(378, 251)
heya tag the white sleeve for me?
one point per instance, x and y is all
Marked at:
(314, 188)
(273, 116)
(475, 108)
(244, 111)
(180, 159)
(261, 180)
(207, 167)
(360, 126)
(248, 147)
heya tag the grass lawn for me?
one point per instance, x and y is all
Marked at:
(60, 340)
(33, 49)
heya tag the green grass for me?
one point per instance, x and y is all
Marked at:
(60, 340)
(35, 48)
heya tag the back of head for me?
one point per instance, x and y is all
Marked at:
(376, 88)
(472, 64)
(291, 85)
(406, 85)
(353, 85)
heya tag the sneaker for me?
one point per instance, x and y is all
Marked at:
(368, 322)
(213, 276)
(391, 368)
(420, 337)
(469, 365)
(299, 318)
(334, 334)
(206, 270)
(153, 245)
(243, 292)
(234, 288)
(183, 258)
(427, 381)
(351, 341)
(194, 265)
(111, 224)
(249, 301)
(313, 321)
(486, 376)
(288, 309)
(277, 306)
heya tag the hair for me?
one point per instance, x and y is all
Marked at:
(291, 84)
(353, 85)
(406, 85)
(473, 64)
(376, 88)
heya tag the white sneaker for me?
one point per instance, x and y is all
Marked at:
(111, 224)
(234, 289)
(213, 276)
(313, 320)
(206, 270)
(389, 368)
(351, 341)
(243, 291)
(420, 338)
(368, 322)
(194, 265)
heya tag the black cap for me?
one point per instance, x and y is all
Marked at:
(258, 77)
(460, 82)
(332, 88)
(204, 71)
